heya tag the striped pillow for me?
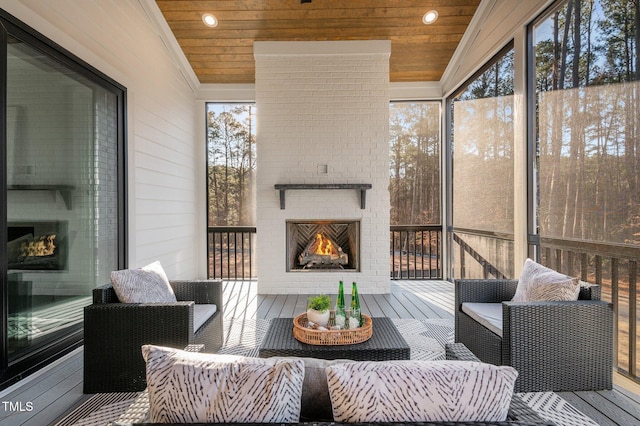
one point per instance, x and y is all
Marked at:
(148, 284)
(537, 283)
(420, 391)
(188, 387)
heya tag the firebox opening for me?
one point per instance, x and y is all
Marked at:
(37, 245)
(323, 245)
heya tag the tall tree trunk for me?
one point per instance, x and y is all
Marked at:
(577, 132)
(398, 154)
(636, 13)
(226, 174)
(587, 78)
(554, 202)
(250, 219)
(631, 109)
(635, 92)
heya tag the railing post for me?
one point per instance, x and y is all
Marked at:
(558, 260)
(393, 254)
(633, 338)
(462, 265)
(614, 300)
(584, 266)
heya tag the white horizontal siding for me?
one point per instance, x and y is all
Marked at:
(166, 191)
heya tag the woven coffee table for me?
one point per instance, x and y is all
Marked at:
(386, 343)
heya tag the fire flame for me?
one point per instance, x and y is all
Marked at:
(41, 246)
(323, 245)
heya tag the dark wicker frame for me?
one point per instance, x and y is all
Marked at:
(114, 333)
(555, 346)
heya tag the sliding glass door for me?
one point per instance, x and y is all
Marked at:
(62, 183)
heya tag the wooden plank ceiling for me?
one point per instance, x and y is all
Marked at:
(224, 54)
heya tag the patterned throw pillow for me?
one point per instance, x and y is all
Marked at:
(188, 387)
(420, 391)
(148, 284)
(538, 283)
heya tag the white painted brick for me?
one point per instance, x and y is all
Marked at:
(322, 109)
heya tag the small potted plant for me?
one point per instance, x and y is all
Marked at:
(318, 309)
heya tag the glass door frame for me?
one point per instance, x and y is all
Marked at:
(11, 371)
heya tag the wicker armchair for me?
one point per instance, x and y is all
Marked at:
(555, 346)
(114, 333)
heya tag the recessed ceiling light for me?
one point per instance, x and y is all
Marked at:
(210, 20)
(430, 17)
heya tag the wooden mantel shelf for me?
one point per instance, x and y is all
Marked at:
(362, 187)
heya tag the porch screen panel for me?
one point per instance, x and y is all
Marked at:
(482, 172)
(414, 189)
(231, 190)
(588, 152)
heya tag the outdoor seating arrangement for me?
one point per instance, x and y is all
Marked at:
(318, 395)
(115, 332)
(554, 345)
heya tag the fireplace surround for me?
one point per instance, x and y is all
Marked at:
(327, 149)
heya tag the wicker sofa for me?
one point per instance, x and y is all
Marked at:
(519, 412)
(114, 332)
(555, 346)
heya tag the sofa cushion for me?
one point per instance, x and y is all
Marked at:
(538, 283)
(316, 404)
(188, 387)
(487, 314)
(420, 391)
(202, 313)
(148, 284)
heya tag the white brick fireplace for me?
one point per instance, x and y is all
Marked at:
(323, 118)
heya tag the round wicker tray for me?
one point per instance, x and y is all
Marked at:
(331, 337)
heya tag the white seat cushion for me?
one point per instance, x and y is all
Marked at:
(487, 314)
(201, 313)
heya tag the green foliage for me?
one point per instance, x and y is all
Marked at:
(319, 303)
(414, 153)
(231, 163)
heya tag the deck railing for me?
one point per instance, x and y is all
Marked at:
(230, 252)
(613, 266)
(416, 252)
(482, 254)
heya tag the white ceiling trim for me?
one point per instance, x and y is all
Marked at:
(457, 59)
(166, 35)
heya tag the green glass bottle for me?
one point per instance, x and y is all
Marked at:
(355, 316)
(340, 314)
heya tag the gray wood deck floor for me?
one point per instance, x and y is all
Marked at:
(58, 389)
